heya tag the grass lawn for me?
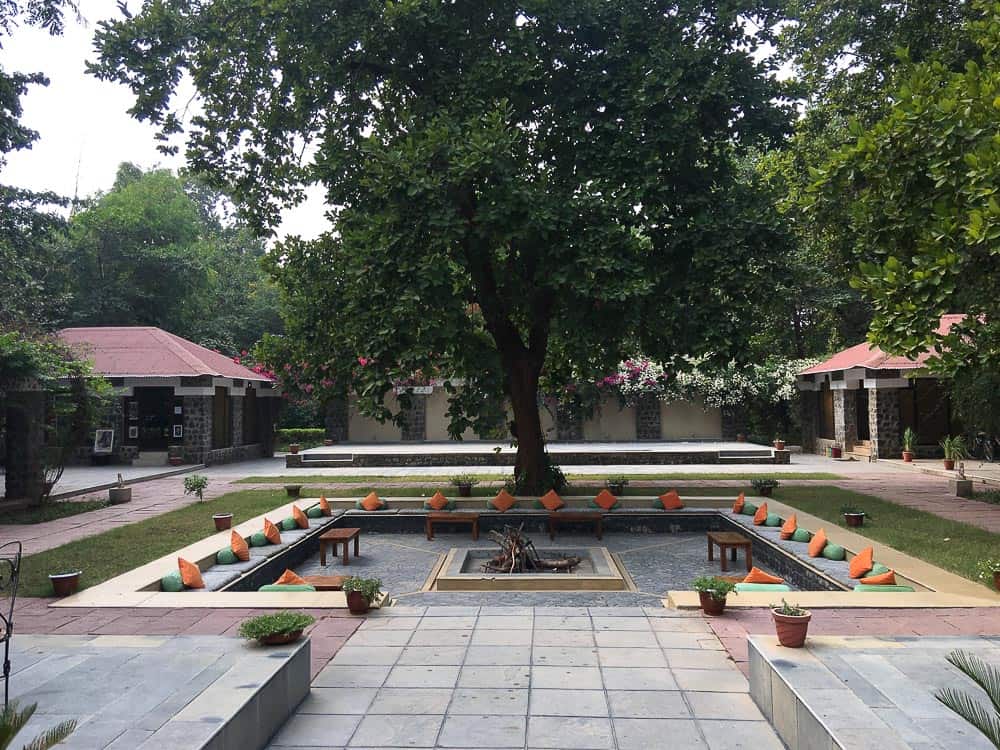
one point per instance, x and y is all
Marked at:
(114, 552)
(500, 478)
(51, 511)
(951, 545)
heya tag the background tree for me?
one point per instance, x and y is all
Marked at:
(518, 188)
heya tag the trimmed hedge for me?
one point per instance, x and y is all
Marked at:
(300, 435)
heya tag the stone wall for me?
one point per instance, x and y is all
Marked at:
(231, 455)
(414, 425)
(884, 422)
(236, 419)
(197, 428)
(337, 420)
(647, 418)
(845, 427)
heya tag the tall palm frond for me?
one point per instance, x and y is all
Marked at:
(12, 720)
(988, 678)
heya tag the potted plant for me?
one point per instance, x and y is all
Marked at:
(712, 592)
(464, 483)
(293, 490)
(791, 624)
(327, 441)
(175, 455)
(66, 582)
(361, 592)
(277, 628)
(989, 570)
(222, 521)
(195, 484)
(740, 437)
(294, 448)
(836, 451)
(853, 516)
(954, 448)
(120, 493)
(909, 443)
(617, 484)
(779, 444)
(764, 487)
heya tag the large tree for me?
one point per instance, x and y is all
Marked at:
(518, 189)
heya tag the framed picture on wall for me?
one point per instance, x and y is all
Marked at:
(178, 410)
(104, 441)
(133, 432)
(178, 430)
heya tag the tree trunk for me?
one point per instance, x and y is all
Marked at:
(527, 427)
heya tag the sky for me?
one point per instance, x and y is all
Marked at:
(84, 124)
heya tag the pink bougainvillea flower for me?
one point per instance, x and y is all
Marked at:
(308, 388)
(363, 361)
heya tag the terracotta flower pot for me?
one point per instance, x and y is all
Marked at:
(791, 630)
(835, 451)
(710, 605)
(996, 579)
(740, 437)
(176, 460)
(779, 445)
(854, 519)
(280, 639)
(949, 464)
(223, 521)
(293, 448)
(356, 603)
(64, 584)
(908, 457)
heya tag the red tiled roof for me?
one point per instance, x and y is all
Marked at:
(145, 351)
(873, 358)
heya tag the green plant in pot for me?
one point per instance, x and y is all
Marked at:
(617, 484)
(764, 487)
(277, 628)
(779, 443)
(853, 516)
(712, 593)
(988, 571)
(361, 592)
(791, 623)
(955, 449)
(464, 483)
(909, 444)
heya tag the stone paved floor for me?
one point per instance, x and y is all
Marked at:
(547, 677)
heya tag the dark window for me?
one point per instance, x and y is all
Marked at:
(861, 414)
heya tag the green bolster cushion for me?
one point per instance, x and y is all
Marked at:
(258, 540)
(315, 512)
(287, 587)
(450, 506)
(225, 556)
(802, 535)
(762, 587)
(172, 582)
(834, 552)
(877, 570)
(749, 509)
(773, 519)
(887, 589)
(288, 524)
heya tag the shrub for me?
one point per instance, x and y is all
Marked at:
(764, 485)
(719, 588)
(460, 479)
(196, 485)
(301, 435)
(369, 588)
(279, 623)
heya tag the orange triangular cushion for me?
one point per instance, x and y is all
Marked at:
(738, 505)
(671, 500)
(817, 543)
(761, 515)
(300, 517)
(438, 501)
(239, 547)
(271, 532)
(861, 563)
(551, 500)
(504, 501)
(190, 574)
(372, 502)
(788, 527)
(324, 505)
(290, 578)
(883, 579)
(605, 500)
(756, 575)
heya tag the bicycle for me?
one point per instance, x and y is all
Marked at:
(985, 447)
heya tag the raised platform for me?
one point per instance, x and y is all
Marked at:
(859, 693)
(154, 693)
(483, 453)
(598, 571)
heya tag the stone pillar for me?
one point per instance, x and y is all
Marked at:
(337, 420)
(236, 419)
(197, 428)
(647, 418)
(25, 425)
(569, 426)
(883, 422)
(734, 422)
(845, 427)
(414, 425)
(808, 408)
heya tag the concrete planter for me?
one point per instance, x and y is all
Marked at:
(119, 495)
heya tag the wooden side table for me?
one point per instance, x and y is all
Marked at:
(561, 516)
(336, 537)
(450, 517)
(326, 583)
(731, 541)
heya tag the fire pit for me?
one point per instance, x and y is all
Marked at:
(518, 555)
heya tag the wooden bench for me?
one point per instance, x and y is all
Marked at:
(336, 537)
(450, 517)
(562, 516)
(732, 541)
